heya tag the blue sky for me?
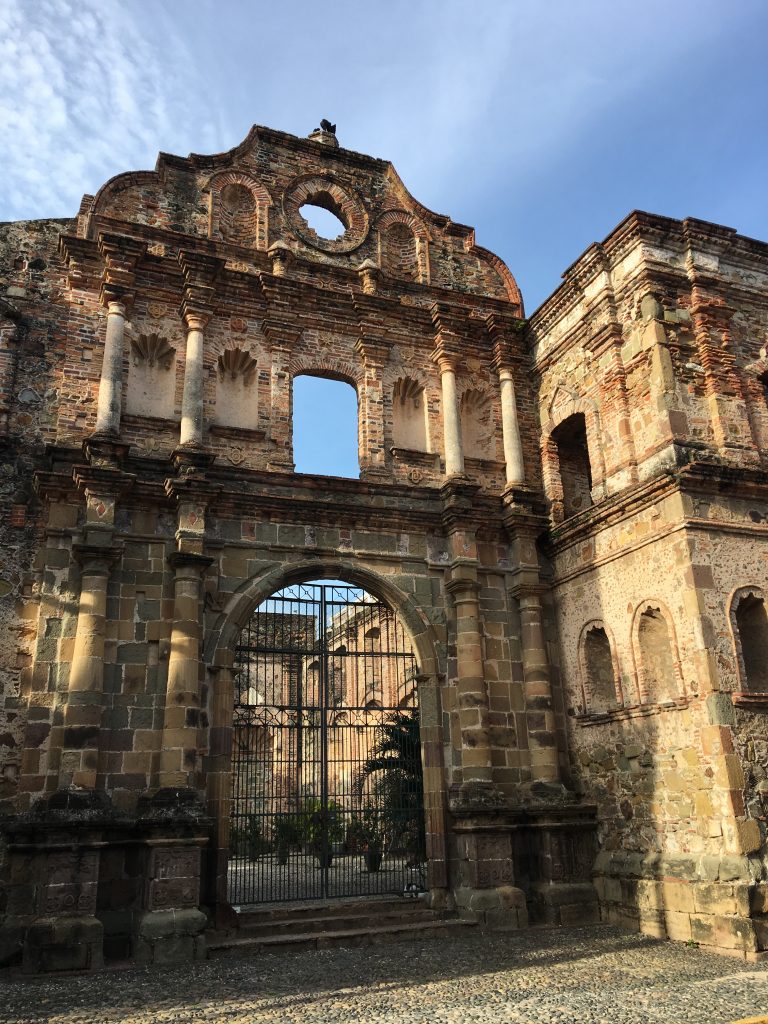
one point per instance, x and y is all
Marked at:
(541, 123)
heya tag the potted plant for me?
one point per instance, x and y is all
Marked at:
(321, 828)
(371, 832)
(392, 775)
(286, 833)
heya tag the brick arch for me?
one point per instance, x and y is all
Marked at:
(588, 627)
(327, 366)
(551, 419)
(233, 618)
(218, 655)
(399, 371)
(732, 606)
(654, 605)
(575, 403)
(420, 235)
(261, 198)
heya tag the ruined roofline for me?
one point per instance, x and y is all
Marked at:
(220, 161)
(637, 225)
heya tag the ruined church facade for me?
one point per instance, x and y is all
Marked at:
(567, 513)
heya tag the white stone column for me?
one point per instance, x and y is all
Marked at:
(192, 398)
(111, 383)
(510, 428)
(454, 454)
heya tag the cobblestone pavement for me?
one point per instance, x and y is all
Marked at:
(538, 976)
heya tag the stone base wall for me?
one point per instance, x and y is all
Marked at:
(720, 904)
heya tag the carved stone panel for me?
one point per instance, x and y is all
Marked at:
(69, 884)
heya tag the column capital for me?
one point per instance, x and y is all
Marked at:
(369, 274)
(281, 255)
(121, 256)
(189, 560)
(102, 478)
(105, 452)
(96, 559)
(201, 272)
(82, 260)
(446, 354)
(528, 591)
(463, 583)
(195, 318)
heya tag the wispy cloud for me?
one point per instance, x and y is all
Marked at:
(83, 94)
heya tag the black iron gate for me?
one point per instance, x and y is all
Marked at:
(327, 788)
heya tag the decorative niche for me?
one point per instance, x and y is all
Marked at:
(237, 399)
(477, 431)
(151, 386)
(410, 416)
(749, 623)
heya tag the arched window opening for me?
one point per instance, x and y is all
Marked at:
(476, 425)
(410, 416)
(600, 680)
(325, 418)
(570, 437)
(324, 770)
(752, 626)
(237, 220)
(657, 657)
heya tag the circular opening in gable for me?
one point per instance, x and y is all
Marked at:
(323, 215)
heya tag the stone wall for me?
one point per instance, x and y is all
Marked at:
(564, 518)
(657, 339)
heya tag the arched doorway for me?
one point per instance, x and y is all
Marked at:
(327, 788)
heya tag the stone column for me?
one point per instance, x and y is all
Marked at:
(472, 698)
(111, 383)
(513, 448)
(178, 758)
(454, 455)
(540, 716)
(192, 398)
(500, 333)
(82, 716)
(121, 258)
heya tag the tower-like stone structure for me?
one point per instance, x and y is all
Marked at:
(567, 513)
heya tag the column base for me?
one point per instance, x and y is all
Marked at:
(502, 908)
(191, 459)
(169, 936)
(54, 944)
(570, 904)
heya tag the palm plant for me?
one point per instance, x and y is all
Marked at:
(392, 779)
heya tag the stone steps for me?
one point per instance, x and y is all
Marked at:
(370, 936)
(290, 928)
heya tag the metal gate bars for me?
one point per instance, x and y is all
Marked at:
(327, 788)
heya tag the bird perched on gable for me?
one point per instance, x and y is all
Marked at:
(326, 125)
